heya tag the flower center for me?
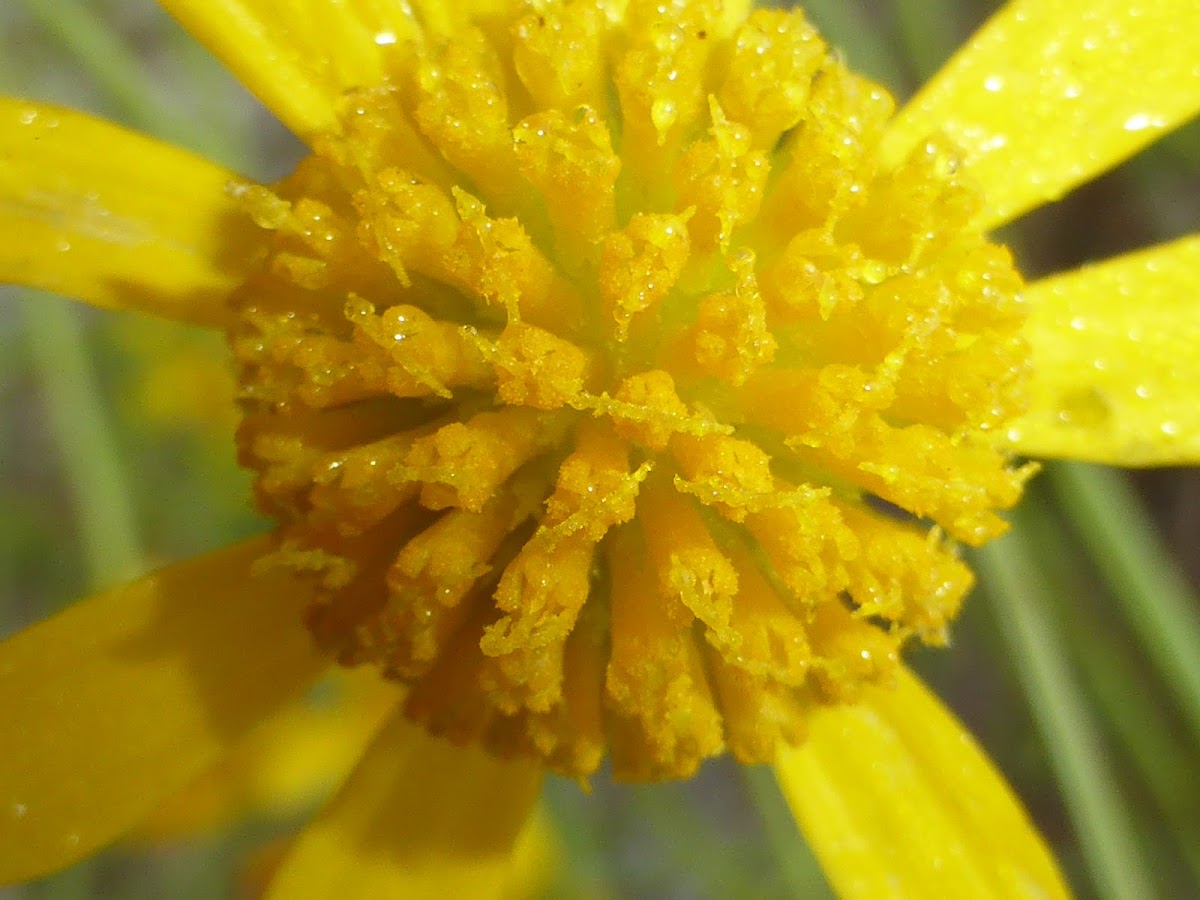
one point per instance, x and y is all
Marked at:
(615, 395)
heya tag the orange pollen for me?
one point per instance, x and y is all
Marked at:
(615, 395)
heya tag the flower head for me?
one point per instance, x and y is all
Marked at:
(618, 394)
(622, 377)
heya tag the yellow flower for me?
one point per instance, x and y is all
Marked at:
(622, 377)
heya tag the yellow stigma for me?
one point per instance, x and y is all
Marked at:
(617, 397)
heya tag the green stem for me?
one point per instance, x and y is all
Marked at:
(1161, 608)
(845, 26)
(87, 452)
(1116, 684)
(87, 36)
(1068, 729)
(928, 31)
(801, 872)
(1162, 765)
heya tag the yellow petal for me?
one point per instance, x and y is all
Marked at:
(418, 818)
(897, 800)
(1050, 93)
(299, 56)
(1115, 361)
(115, 219)
(535, 859)
(535, 867)
(124, 697)
(288, 763)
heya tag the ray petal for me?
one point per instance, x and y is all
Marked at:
(123, 698)
(115, 219)
(1050, 94)
(897, 800)
(288, 763)
(1115, 362)
(418, 818)
(300, 56)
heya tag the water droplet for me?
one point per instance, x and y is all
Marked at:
(1142, 121)
(385, 38)
(993, 83)
(1085, 408)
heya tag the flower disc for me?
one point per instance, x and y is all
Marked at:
(616, 395)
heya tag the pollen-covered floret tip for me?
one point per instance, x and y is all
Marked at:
(615, 395)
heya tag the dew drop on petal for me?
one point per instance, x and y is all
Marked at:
(1142, 121)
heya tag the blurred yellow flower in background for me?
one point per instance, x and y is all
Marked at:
(171, 355)
(622, 378)
(297, 759)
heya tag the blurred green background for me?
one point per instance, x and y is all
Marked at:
(1079, 669)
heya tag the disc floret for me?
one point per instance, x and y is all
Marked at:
(617, 395)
